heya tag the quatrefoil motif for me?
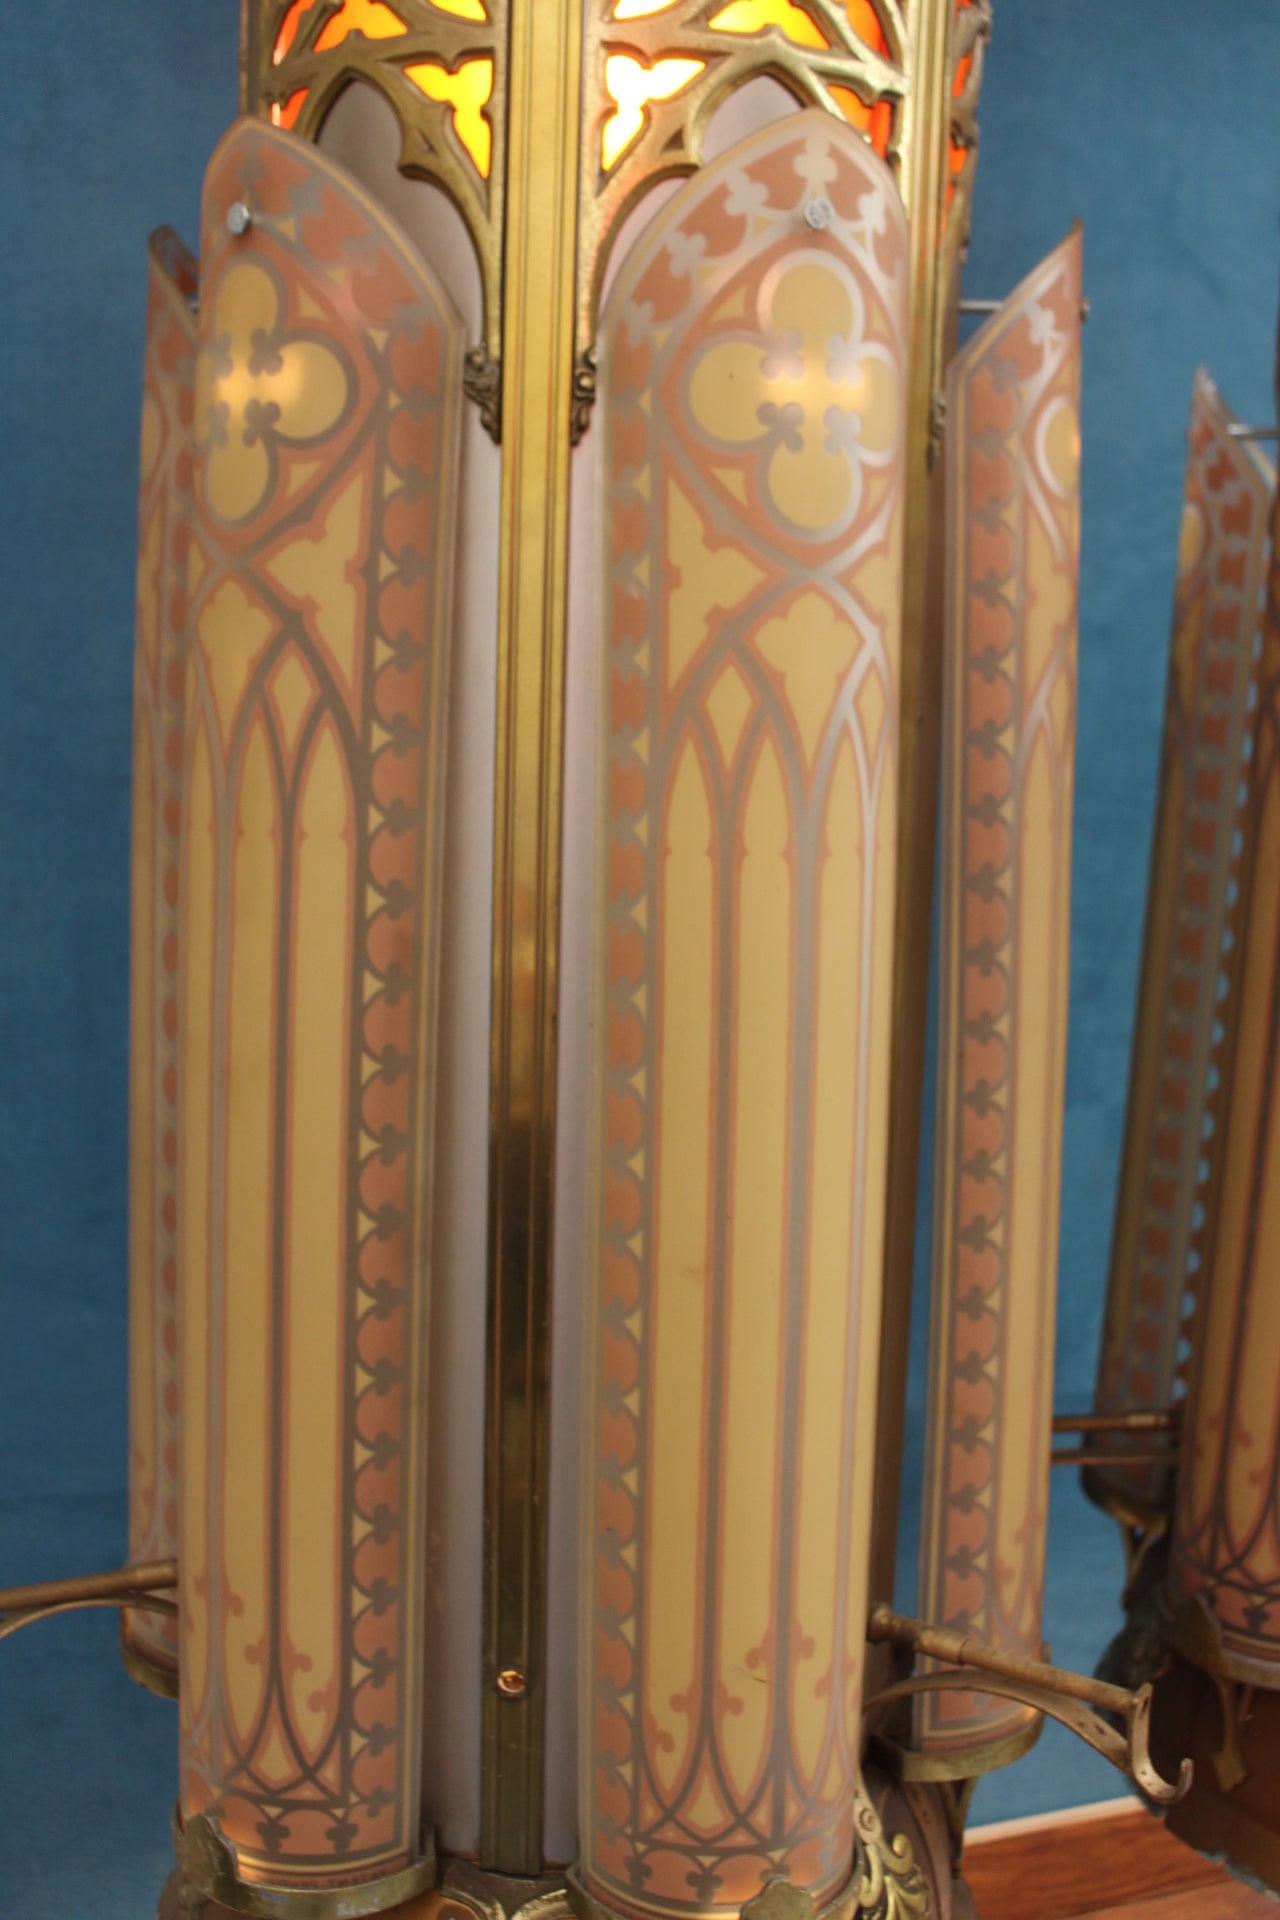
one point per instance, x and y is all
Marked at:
(261, 388)
(808, 390)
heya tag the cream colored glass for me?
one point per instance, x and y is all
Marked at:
(327, 402)
(752, 400)
(1013, 454)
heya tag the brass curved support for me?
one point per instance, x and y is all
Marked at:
(137, 1587)
(14, 1622)
(1129, 1752)
(1075, 1700)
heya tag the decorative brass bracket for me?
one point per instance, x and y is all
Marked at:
(139, 1587)
(1076, 1701)
(891, 1883)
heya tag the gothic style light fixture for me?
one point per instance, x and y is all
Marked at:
(557, 507)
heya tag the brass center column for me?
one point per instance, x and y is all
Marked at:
(537, 368)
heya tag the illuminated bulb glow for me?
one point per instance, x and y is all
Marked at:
(757, 16)
(461, 9)
(876, 122)
(289, 28)
(865, 22)
(466, 91)
(369, 17)
(285, 113)
(632, 87)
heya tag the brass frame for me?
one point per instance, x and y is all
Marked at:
(538, 278)
(429, 147)
(937, 120)
(670, 140)
(208, 1866)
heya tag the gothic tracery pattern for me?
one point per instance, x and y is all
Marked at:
(1174, 1085)
(1013, 520)
(326, 416)
(442, 67)
(160, 649)
(753, 399)
(1225, 1548)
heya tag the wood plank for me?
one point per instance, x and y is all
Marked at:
(1230, 1901)
(1058, 1869)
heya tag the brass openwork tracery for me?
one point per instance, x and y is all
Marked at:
(442, 67)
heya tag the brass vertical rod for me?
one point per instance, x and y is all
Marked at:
(251, 25)
(537, 366)
(928, 137)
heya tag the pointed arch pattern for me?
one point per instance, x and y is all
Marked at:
(1225, 1547)
(753, 399)
(1009, 749)
(1174, 1077)
(326, 436)
(657, 70)
(441, 65)
(164, 519)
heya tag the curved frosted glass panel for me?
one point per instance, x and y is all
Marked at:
(1225, 1550)
(164, 518)
(752, 387)
(1013, 450)
(361, 133)
(326, 424)
(1174, 1091)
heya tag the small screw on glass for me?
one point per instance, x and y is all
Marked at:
(512, 1683)
(239, 218)
(819, 213)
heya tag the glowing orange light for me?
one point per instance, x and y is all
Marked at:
(631, 87)
(284, 113)
(755, 16)
(370, 17)
(865, 22)
(876, 122)
(289, 28)
(466, 91)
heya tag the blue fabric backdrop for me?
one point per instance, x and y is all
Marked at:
(1157, 124)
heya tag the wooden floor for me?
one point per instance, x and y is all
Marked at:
(1112, 1862)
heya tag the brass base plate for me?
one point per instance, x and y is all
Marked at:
(423, 1906)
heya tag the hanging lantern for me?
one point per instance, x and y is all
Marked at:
(552, 798)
